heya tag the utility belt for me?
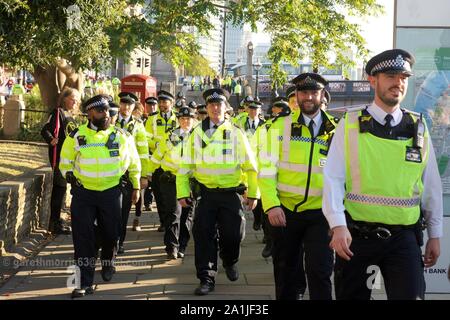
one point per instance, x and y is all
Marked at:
(372, 230)
(240, 189)
(167, 177)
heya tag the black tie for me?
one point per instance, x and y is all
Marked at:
(253, 124)
(165, 116)
(311, 128)
(122, 123)
(388, 124)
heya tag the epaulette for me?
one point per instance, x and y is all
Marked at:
(123, 132)
(73, 133)
(417, 114)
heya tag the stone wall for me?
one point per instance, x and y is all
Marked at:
(24, 206)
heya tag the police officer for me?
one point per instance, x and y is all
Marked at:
(168, 156)
(380, 175)
(243, 113)
(202, 114)
(93, 159)
(151, 104)
(290, 180)
(135, 128)
(166, 121)
(218, 157)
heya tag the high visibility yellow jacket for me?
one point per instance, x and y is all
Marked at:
(372, 194)
(136, 128)
(291, 163)
(99, 159)
(158, 129)
(168, 153)
(223, 160)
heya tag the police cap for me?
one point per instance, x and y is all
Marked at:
(98, 102)
(201, 108)
(255, 104)
(179, 104)
(280, 102)
(216, 95)
(290, 91)
(309, 81)
(186, 112)
(113, 108)
(128, 97)
(164, 95)
(391, 61)
(192, 104)
(151, 100)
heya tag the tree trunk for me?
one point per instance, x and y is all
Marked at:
(53, 79)
(46, 79)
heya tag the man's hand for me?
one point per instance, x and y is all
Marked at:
(432, 252)
(250, 204)
(144, 183)
(277, 218)
(185, 202)
(135, 196)
(340, 242)
(54, 142)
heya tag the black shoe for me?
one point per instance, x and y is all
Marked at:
(299, 296)
(267, 251)
(161, 229)
(120, 249)
(204, 288)
(232, 272)
(58, 228)
(147, 208)
(256, 225)
(172, 255)
(79, 293)
(108, 272)
(181, 253)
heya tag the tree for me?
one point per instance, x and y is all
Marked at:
(37, 35)
(199, 66)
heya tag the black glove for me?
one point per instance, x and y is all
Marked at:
(70, 178)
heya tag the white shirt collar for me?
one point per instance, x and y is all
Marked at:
(379, 114)
(317, 119)
(126, 119)
(211, 124)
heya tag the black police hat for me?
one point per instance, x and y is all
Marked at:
(99, 102)
(391, 61)
(280, 102)
(326, 96)
(255, 105)
(151, 100)
(216, 95)
(128, 97)
(248, 99)
(290, 91)
(113, 108)
(186, 112)
(201, 108)
(192, 104)
(309, 81)
(180, 104)
(180, 95)
(164, 95)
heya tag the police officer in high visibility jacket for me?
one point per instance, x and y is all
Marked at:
(290, 181)
(135, 128)
(166, 121)
(168, 157)
(219, 159)
(380, 176)
(93, 159)
(292, 99)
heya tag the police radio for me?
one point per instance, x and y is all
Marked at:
(419, 132)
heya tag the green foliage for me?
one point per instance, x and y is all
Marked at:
(34, 33)
(199, 66)
(33, 100)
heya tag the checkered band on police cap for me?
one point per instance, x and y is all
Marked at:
(394, 64)
(97, 101)
(391, 61)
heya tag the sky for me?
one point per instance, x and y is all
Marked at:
(378, 31)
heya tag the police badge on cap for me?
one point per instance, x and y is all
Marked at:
(391, 61)
(309, 81)
(216, 95)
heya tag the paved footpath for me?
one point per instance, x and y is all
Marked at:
(144, 273)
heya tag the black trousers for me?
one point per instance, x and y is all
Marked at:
(148, 197)
(127, 192)
(86, 207)
(171, 211)
(157, 193)
(218, 223)
(399, 259)
(59, 189)
(185, 227)
(310, 230)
